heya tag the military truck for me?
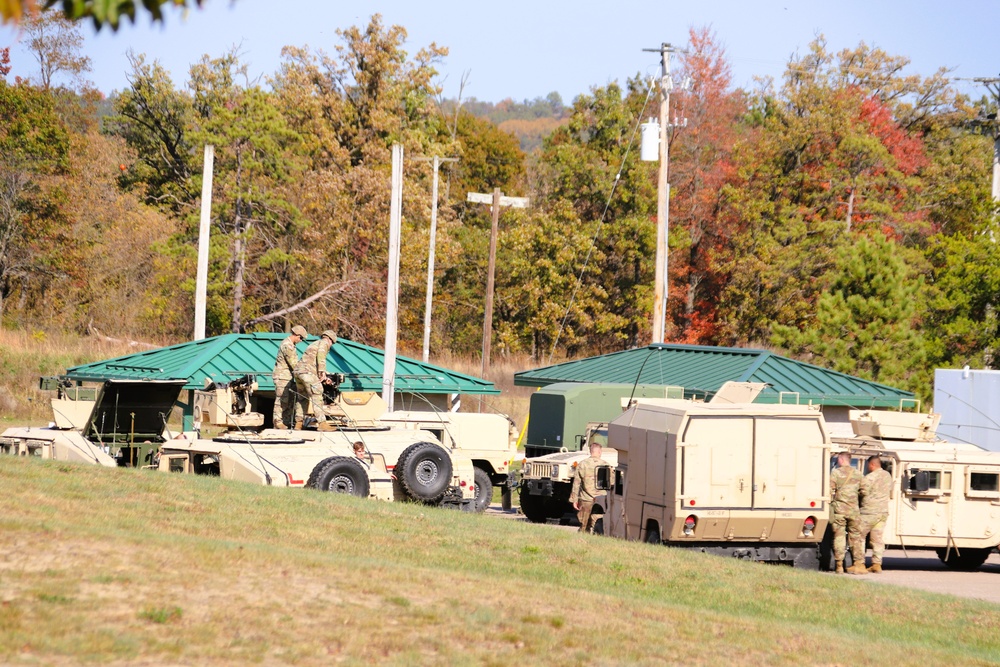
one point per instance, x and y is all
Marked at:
(119, 423)
(558, 414)
(547, 481)
(423, 468)
(742, 480)
(945, 495)
(489, 440)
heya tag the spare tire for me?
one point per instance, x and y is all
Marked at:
(424, 472)
(340, 474)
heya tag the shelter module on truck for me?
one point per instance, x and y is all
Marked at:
(118, 423)
(739, 479)
(945, 495)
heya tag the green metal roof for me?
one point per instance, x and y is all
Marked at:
(702, 370)
(224, 358)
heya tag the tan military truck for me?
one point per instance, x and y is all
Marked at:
(945, 495)
(743, 480)
(489, 440)
(423, 469)
(119, 423)
(547, 481)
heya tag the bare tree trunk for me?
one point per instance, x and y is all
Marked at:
(850, 208)
(239, 258)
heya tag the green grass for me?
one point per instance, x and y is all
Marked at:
(125, 566)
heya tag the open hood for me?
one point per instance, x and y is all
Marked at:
(132, 410)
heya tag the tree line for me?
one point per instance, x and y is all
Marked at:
(841, 215)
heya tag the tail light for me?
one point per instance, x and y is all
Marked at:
(689, 524)
(808, 526)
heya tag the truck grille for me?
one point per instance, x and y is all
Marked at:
(540, 470)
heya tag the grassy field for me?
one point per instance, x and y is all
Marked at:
(127, 567)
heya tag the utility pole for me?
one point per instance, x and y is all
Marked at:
(496, 200)
(660, 287)
(392, 291)
(993, 85)
(430, 251)
(204, 231)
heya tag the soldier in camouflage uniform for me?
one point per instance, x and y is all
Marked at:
(875, 488)
(845, 481)
(310, 376)
(285, 405)
(585, 486)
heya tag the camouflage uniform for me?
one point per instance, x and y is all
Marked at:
(285, 405)
(585, 489)
(309, 375)
(875, 488)
(845, 482)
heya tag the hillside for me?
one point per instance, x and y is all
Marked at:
(134, 567)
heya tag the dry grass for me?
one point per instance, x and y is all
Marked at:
(127, 567)
(26, 356)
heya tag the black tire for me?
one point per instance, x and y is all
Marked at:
(341, 474)
(653, 534)
(424, 472)
(599, 526)
(827, 563)
(535, 508)
(970, 559)
(484, 490)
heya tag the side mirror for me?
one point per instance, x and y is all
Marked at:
(603, 478)
(919, 481)
(579, 441)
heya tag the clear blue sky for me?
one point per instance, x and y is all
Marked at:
(524, 50)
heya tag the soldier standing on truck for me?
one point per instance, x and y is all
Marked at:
(310, 375)
(585, 486)
(286, 409)
(874, 492)
(845, 481)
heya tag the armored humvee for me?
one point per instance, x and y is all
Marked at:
(744, 480)
(419, 465)
(119, 423)
(547, 481)
(945, 495)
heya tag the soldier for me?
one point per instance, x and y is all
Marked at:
(874, 492)
(585, 486)
(285, 405)
(310, 376)
(845, 481)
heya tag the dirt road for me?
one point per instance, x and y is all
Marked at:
(919, 569)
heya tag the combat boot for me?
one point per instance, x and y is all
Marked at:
(298, 425)
(280, 425)
(857, 568)
(840, 567)
(326, 426)
(876, 568)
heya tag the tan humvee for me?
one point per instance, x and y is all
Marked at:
(490, 440)
(738, 479)
(119, 423)
(547, 481)
(421, 467)
(945, 495)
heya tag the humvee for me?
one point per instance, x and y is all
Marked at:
(945, 495)
(119, 423)
(547, 481)
(419, 465)
(738, 479)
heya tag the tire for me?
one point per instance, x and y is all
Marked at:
(827, 563)
(653, 534)
(424, 472)
(599, 526)
(484, 490)
(341, 474)
(534, 507)
(970, 559)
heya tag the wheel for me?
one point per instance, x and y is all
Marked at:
(599, 526)
(827, 563)
(341, 474)
(970, 559)
(484, 490)
(534, 507)
(653, 534)
(424, 472)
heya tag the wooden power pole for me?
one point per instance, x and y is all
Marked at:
(496, 200)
